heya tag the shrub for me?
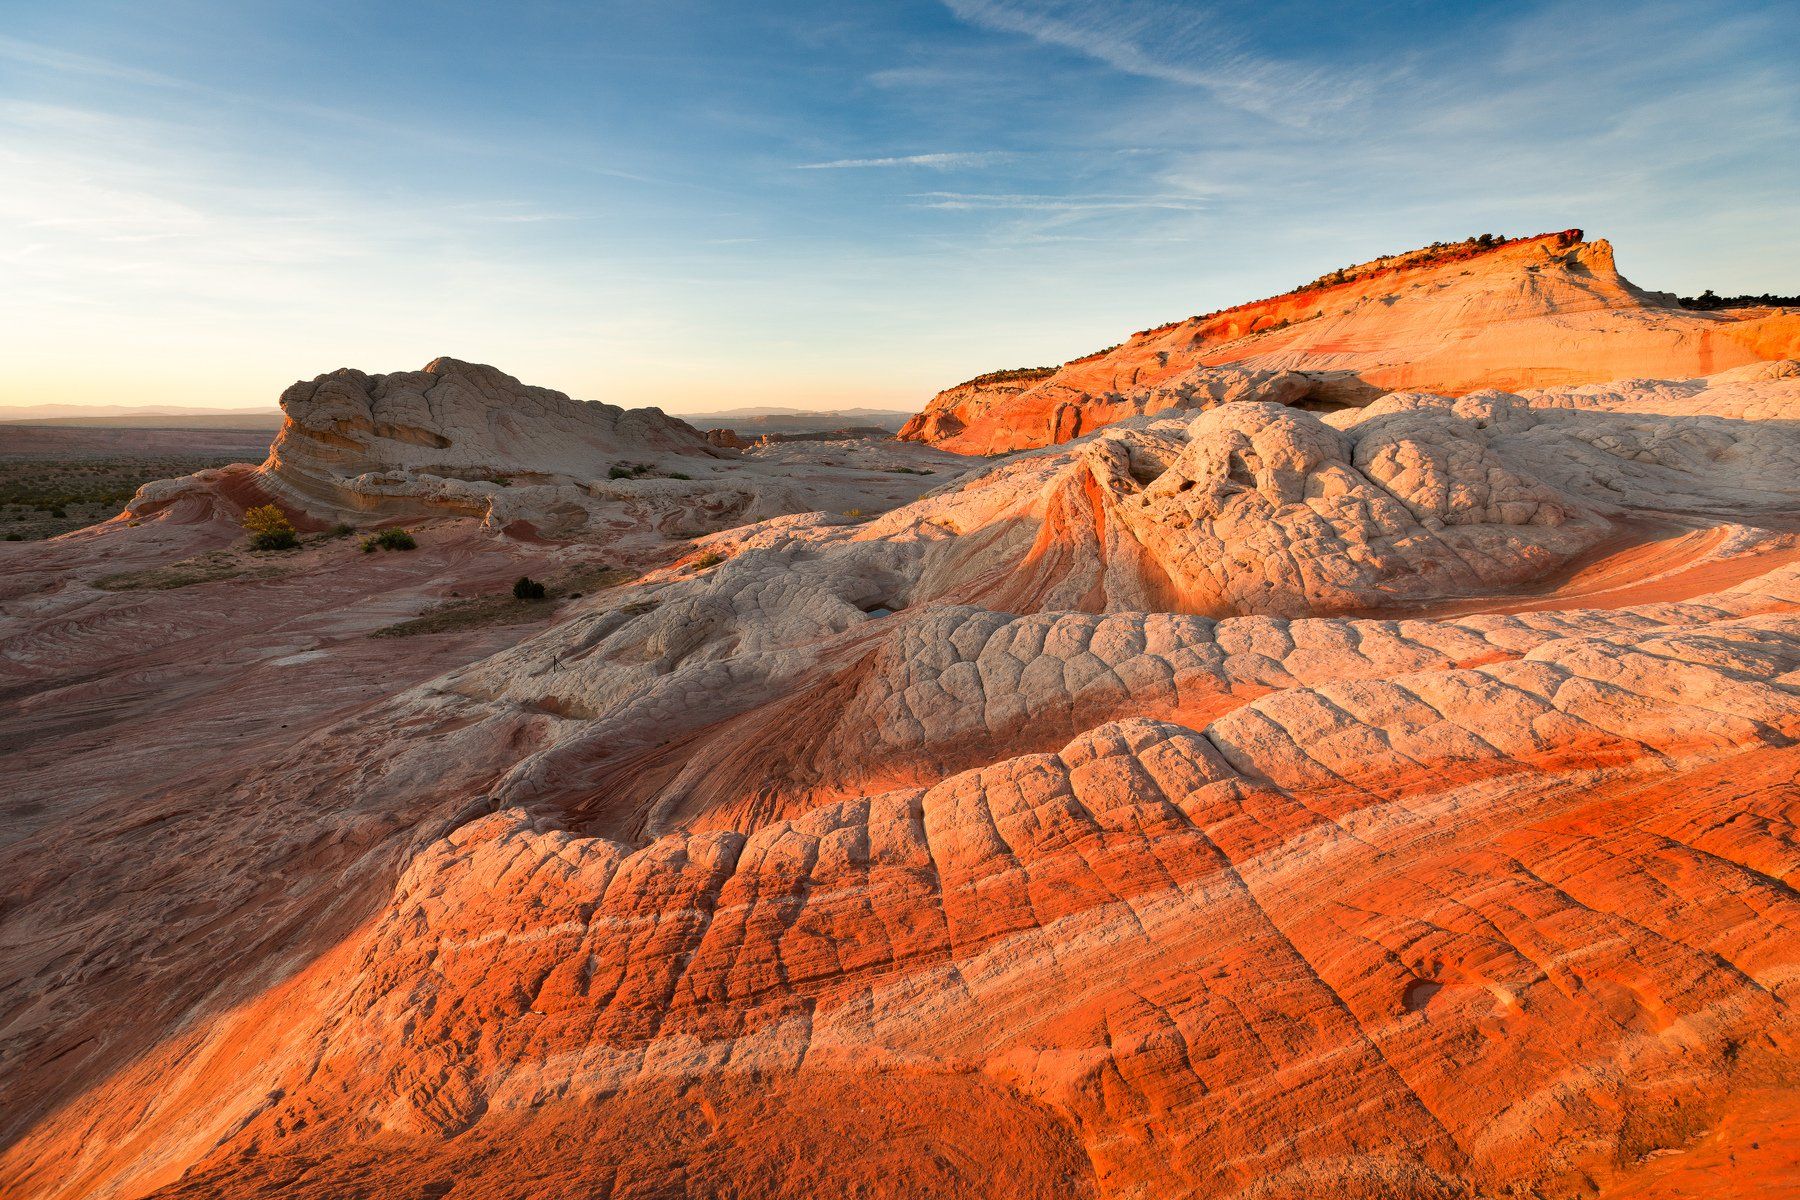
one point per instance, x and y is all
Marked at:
(280, 539)
(678, 475)
(527, 588)
(711, 558)
(389, 539)
(266, 518)
(620, 473)
(342, 529)
(270, 529)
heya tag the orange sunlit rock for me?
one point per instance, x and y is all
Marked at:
(1376, 787)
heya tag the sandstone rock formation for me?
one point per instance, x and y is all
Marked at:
(726, 439)
(463, 439)
(1243, 800)
(1546, 311)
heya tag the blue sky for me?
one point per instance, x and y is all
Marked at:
(703, 205)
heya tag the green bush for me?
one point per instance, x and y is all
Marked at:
(275, 539)
(270, 528)
(621, 473)
(711, 558)
(389, 539)
(342, 529)
(527, 588)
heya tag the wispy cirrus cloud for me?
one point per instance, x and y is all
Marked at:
(48, 58)
(1028, 202)
(972, 158)
(1179, 43)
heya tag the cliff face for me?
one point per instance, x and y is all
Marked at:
(1545, 311)
(942, 418)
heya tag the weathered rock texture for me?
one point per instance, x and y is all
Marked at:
(1536, 312)
(1395, 803)
(463, 439)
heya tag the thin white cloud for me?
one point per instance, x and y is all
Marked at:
(1182, 43)
(48, 58)
(975, 158)
(1027, 202)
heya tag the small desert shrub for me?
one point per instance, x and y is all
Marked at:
(270, 529)
(342, 529)
(389, 539)
(855, 514)
(527, 588)
(678, 475)
(285, 539)
(711, 558)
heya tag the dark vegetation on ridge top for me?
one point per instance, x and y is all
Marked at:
(1707, 302)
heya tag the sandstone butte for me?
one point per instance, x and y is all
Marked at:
(1371, 771)
(1545, 311)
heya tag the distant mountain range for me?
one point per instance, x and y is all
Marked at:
(123, 416)
(796, 420)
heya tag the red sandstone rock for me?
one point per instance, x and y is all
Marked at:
(1242, 803)
(1548, 311)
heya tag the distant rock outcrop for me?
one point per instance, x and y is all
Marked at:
(369, 441)
(1534, 312)
(726, 439)
(460, 439)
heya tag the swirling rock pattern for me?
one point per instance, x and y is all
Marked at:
(1398, 802)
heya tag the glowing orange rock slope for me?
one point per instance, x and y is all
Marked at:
(1545, 311)
(1242, 800)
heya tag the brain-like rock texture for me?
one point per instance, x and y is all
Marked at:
(1536, 312)
(1259, 797)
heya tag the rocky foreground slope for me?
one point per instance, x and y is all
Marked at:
(1397, 801)
(1546, 311)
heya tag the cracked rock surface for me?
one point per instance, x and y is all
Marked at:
(1239, 801)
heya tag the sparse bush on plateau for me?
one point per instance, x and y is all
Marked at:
(711, 558)
(270, 529)
(527, 588)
